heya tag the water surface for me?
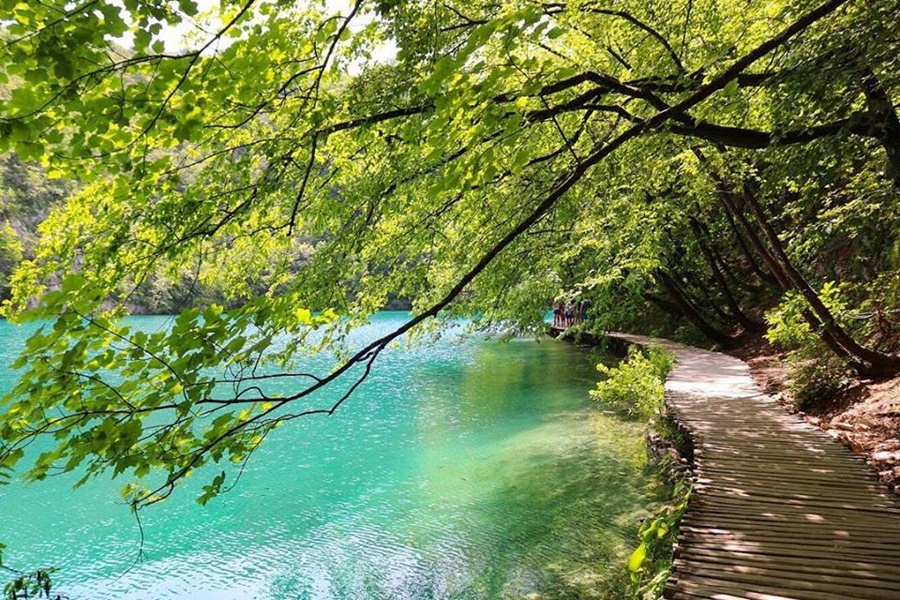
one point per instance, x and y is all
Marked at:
(466, 469)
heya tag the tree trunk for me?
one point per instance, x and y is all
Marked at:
(867, 362)
(745, 249)
(733, 211)
(887, 127)
(689, 311)
(727, 270)
(663, 304)
(731, 274)
(691, 281)
(730, 201)
(741, 317)
(690, 277)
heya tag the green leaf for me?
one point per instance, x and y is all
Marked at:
(731, 88)
(636, 560)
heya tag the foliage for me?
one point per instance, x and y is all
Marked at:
(36, 584)
(813, 372)
(27, 191)
(789, 328)
(635, 385)
(811, 381)
(201, 340)
(675, 162)
(505, 151)
(650, 564)
(11, 253)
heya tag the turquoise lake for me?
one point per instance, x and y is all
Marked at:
(468, 468)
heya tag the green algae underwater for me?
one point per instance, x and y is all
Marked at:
(468, 468)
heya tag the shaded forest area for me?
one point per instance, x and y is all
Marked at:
(26, 194)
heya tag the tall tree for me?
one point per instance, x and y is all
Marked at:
(464, 173)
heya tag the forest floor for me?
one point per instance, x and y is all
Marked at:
(864, 415)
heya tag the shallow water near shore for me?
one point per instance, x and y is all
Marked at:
(465, 469)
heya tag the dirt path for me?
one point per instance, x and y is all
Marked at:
(780, 510)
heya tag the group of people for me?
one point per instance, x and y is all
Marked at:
(566, 314)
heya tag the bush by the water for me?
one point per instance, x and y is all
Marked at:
(635, 386)
(650, 565)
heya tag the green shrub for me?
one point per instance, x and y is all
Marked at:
(814, 379)
(635, 386)
(650, 565)
(814, 372)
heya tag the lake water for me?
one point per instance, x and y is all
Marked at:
(466, 469)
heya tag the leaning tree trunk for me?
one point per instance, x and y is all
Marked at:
(731, 203)
(886, 128)
(730, 200)
(663, 304)
(867, 362)
(737, 313)
(690, 278)
(690, 311)
(745, 249)
(730, 274)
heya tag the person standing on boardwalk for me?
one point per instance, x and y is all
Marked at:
(586, 305)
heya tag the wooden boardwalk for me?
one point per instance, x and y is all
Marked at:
(780, 511)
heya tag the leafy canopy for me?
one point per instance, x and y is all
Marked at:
(477, 170)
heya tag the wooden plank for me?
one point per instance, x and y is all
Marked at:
(870, 563)
(837, 577)
(785, 463)
(801, 539)
(761, 495)
(801, 566)
(780, 510)
(804, 477)
(722, 590)
(793, 551)
(794, 547)
(788, 526)
(762, 502)
(789, 585)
